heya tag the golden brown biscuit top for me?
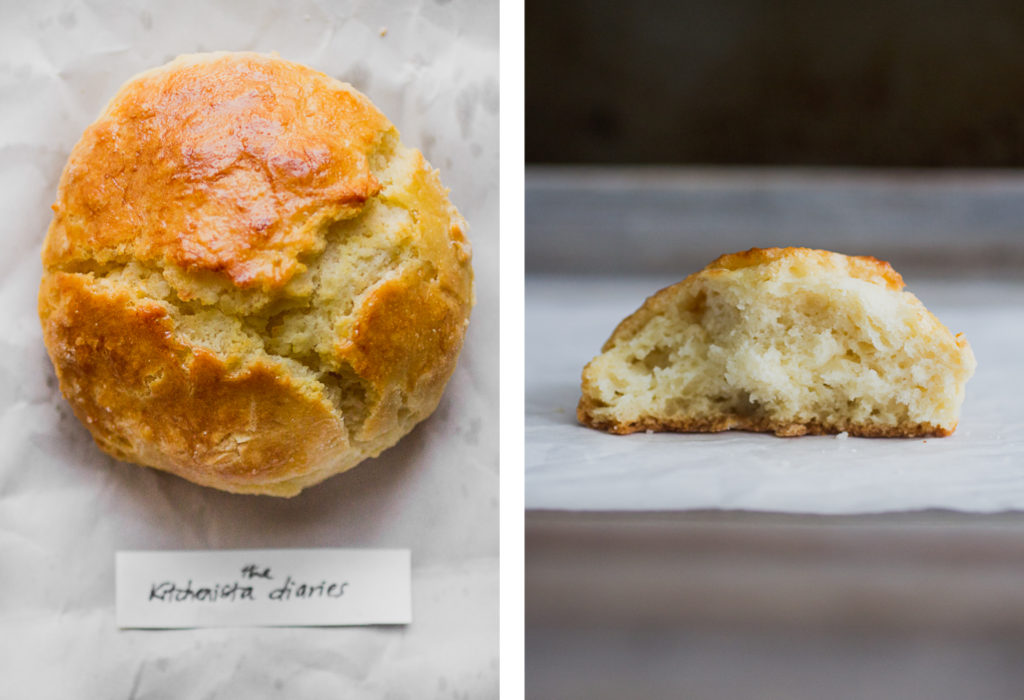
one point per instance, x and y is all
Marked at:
(227, 163)
(862, 267)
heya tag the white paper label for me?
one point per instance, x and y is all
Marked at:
(264, 587)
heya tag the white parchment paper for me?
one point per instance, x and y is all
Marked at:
(978, 469)
(65, 508)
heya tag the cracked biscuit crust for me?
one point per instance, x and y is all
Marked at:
(249, 281)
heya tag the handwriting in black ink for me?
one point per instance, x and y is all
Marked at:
(254, 571)
(292, 589)
(169, 592)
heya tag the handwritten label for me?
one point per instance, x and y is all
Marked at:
(263, 587)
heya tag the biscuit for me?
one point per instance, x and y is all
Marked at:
(786, 340)
(249, 281)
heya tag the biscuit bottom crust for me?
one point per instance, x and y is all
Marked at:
(718, 424)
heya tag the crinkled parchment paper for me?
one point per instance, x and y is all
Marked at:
(979, 469)
(65, 508)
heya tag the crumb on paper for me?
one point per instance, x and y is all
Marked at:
(842, 436)
(383, 31)
(649, 431)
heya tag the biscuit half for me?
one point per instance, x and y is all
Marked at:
(792, 341)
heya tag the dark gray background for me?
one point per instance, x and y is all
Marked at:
(791, 82)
